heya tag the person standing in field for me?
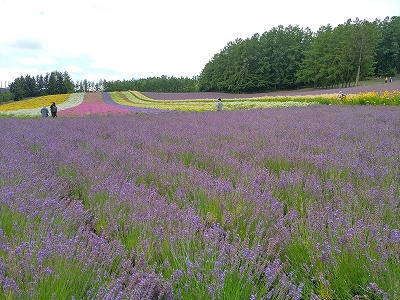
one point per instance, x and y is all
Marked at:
(386, 80)
(53, 110)
(45, 112)
(219, 104)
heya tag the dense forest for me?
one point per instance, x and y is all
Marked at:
(163, 84)
(50, 84)
(286, 58)
(281, 58)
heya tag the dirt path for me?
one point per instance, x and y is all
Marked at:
(380, 88)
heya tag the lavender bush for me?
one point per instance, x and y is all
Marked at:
(294, 203)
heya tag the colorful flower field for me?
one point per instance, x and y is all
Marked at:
(93, 104)
(34, 103)
(294, 203)
(31, 107)
(97, 103)
(200, 105)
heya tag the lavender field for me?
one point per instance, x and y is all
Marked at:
(294, 203)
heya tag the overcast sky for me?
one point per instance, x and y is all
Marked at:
(121, 39)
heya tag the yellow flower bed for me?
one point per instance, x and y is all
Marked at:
(371, 98)
(366, 98)
(121, 98)
(36, 102)
(139, 95)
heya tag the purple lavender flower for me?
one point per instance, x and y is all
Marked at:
(257, 197)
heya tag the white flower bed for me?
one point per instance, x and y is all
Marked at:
(73, 100)
(265, 104)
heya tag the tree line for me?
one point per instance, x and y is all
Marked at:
(290, 57)
(281, 58)
(60, 83)
(50, 84)
(162, 84)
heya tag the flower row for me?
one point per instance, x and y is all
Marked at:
(369, 98)
(133, 98)
(72, 101)
(93, 104)
(133, 101)
(34, 103)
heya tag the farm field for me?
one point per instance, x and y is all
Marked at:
(128, 102)
(279, 203)
(103, 103)
(379, 88)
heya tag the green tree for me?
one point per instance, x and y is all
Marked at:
(30, 87)
(208, 78)
(152, 84)
(6, 96)
(355, 49)
(315, 68)
(68, 83)
(60, 87)
(260, 63)
(52, 86)
(388, 51)
(366, 38)
(340, 55)
(18, 88)
(86, 85)
(286, 47)
(344, 64)
(249, 73)
(40, 85)
(46, 80)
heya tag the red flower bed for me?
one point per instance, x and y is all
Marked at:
(93, 104)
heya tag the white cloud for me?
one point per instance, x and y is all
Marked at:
(71, 69)
(29, 44)
(36, 61)
(124, 39)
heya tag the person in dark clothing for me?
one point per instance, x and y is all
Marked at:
(53, 110)
(219, 105)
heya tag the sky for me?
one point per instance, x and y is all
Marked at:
(125, 39)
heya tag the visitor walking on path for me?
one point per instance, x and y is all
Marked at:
(219, 104)
(45, 112)
(53, 109)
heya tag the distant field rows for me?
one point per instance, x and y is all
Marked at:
(81, 104)
(379, 88)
